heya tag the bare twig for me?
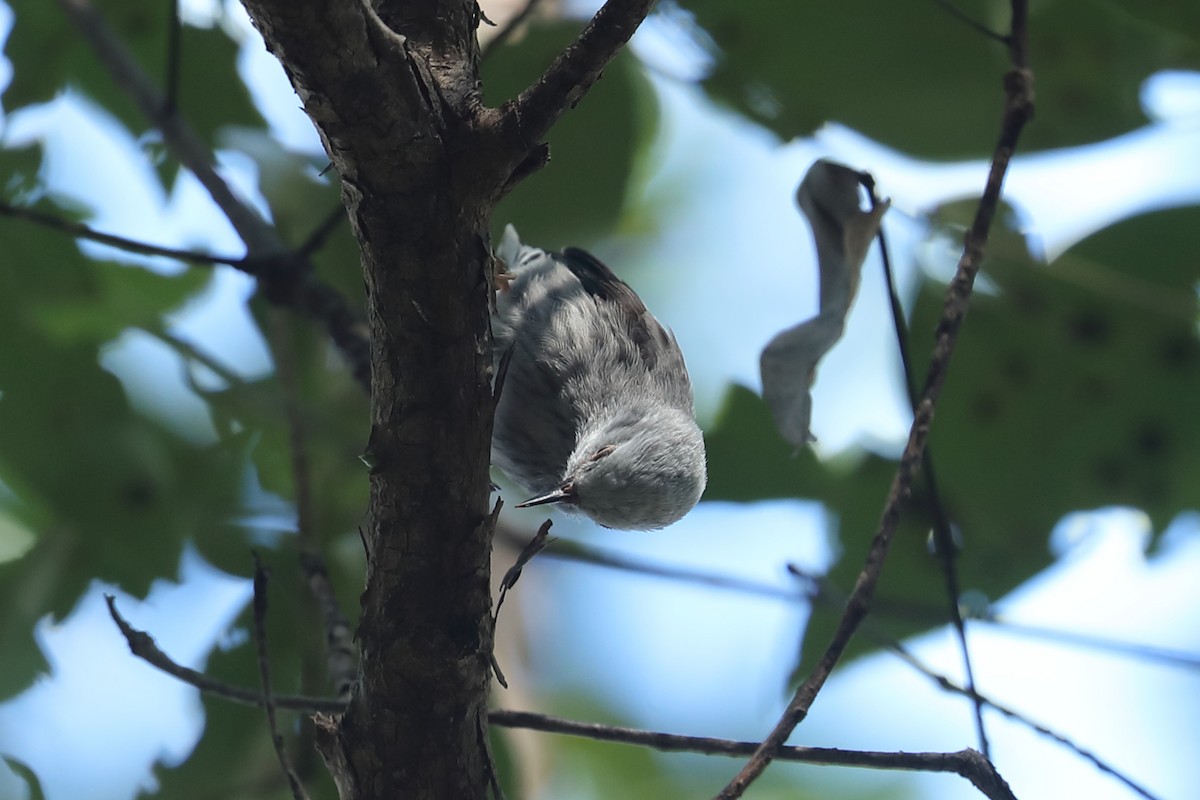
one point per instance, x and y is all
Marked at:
(485, 745)
(1142, 652)
(566, 550)
(537, 544)
(174, 55)
(971, 22)
(967, 763)
(316, 239)
(514, 23)
(341, 657)
(822, 592)
(285, 368)
(258, 235)
(142, 645)
(264, 676)
(285, 278)
(80, 231)
(1018, 110)
(944, 540)
(576, 69)
(947, 685)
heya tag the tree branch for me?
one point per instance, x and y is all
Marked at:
(575, 70)
(341, 656)
(393, 98)
(191, 151)
(1018, 110)
(264, 675)
(80, 231)
(287, 279)
(968, 763)
(142, 645)
(949, 686)
(944, 541)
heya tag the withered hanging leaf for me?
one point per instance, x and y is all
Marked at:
(829, 198)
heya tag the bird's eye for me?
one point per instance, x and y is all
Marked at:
(603, 451)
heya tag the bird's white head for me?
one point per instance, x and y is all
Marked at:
(641, 469)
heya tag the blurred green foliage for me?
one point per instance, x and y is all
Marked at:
(1074, 387)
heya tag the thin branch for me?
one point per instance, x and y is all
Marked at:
(537, 544)
(566, 550)
(289, 384)
(972, 23)
(514, 23)
(822, 592)
(80, 231)
(1162, 655)
(316, 239)
(576, 69)
(490, 760)
(341, 656)
(944, 541)
(184, 143)
(1018, 110)
(947, 685)
(264, 676)
(174, 57)
(189, 352)
(142, 645)
(285, 278)
(968, 763)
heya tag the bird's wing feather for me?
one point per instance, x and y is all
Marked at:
(603, 284)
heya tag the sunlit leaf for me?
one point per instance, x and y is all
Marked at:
(1074, 384)
(108, 493)
(918, 78)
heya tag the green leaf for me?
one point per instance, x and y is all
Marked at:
(108, 493)
(25, 600)
(1074, 384)
(593, 149)
(252, 418)
(917, 78)
(1171, 17)
(26, 774)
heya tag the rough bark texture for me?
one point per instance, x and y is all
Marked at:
(394, 136)
(394, 92)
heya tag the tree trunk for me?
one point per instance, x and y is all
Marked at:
(394, 93)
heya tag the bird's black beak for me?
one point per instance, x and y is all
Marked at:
(562, 494)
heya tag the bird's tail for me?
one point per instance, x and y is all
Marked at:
(510, 247)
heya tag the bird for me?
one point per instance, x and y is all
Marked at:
(595, 411)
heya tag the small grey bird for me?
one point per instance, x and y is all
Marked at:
(595, 410)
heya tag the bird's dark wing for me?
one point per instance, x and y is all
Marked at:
(603, 284)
